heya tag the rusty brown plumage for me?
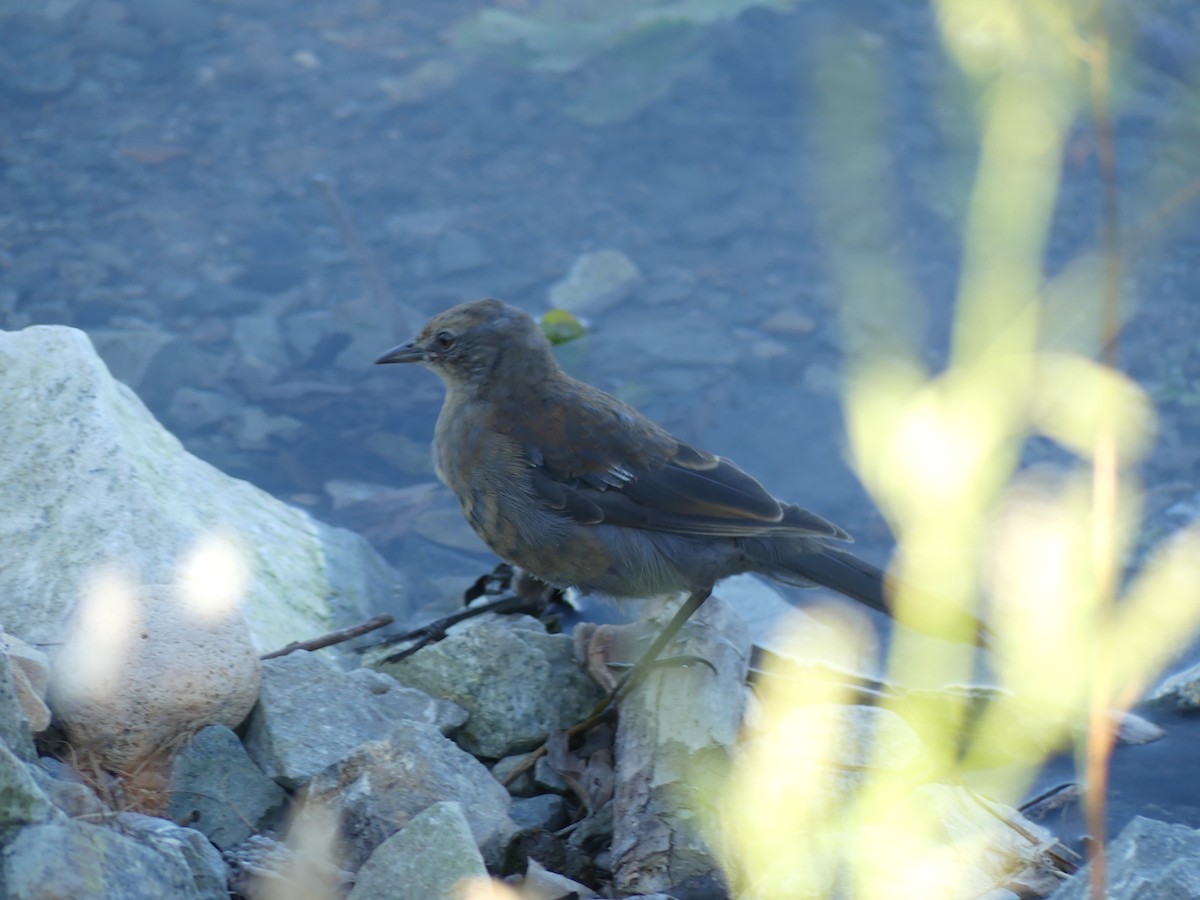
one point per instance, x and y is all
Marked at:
(582, 490)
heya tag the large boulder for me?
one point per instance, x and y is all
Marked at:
(92, 483)
(158, 578)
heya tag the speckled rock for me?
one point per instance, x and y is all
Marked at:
(517, 682)
(140, 667)
(309, 715)
(380, 787)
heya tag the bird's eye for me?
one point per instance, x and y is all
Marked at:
(443, 340)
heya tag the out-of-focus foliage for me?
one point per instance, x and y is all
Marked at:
(1040, 552)
(616, 56)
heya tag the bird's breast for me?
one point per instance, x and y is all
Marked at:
(492, 478)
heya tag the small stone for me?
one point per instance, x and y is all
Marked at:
(426, 81)
(383, 785)
(103, 863)
(306, 59)
(67, 790)
(216, 789)
(786, 322)
(543, 884)
(517, 682)
(257, 429)
(1181, 690)
(128, 351)
(428, 858)
(192, 409)
(1148, 859)
(15, 730)
(768, 350)
(545, 811)
(546, 778)
(310, 716)
(821, 380)
(522, 785)
(209, 873)
(448, 528)
(596, 282)
(22, 801)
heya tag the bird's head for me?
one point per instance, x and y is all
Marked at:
(475, 344)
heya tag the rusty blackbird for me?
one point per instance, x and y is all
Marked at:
(582, 490)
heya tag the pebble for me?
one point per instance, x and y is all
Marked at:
(597, 281)
(786, 322)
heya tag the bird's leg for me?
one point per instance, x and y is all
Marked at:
(631, 679)
(634, 676)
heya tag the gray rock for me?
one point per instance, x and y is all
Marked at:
(380, 787)
(15, 732)
(191, 409)
(128, 351)
(309, 715)
(597, 281)
(522, 785)
(22, 801)
(219, 791)
(545, 777)
(182, 363)
(427, 859)
(30, 670)
(517, 682)
(448, 528)
(257, 429)
(209, 871)
(543, 884)
(595, 830)
(258, 339)
(82, 451)
(1180, 690)
(103, 864)
(264, 868)
(67, 790)
(306, 329)
(545, 811)
(1149, 860)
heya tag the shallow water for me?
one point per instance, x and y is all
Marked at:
(244, 203)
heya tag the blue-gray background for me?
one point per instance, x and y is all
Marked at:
(244, 202)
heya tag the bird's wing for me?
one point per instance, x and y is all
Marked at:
(595, 460)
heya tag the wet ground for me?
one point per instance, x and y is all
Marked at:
(245, 202)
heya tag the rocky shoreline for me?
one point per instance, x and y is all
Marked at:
(171, 761)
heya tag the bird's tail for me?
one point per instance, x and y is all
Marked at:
(820, 564)
(835, 569)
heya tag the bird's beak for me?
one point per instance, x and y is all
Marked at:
(410, 352)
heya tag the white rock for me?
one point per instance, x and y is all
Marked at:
(172, 574)
(597, 281)
(92, 483)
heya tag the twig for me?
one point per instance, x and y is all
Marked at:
(436, 630)
(334, 637)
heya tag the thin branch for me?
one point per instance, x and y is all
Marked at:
(334, 637)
